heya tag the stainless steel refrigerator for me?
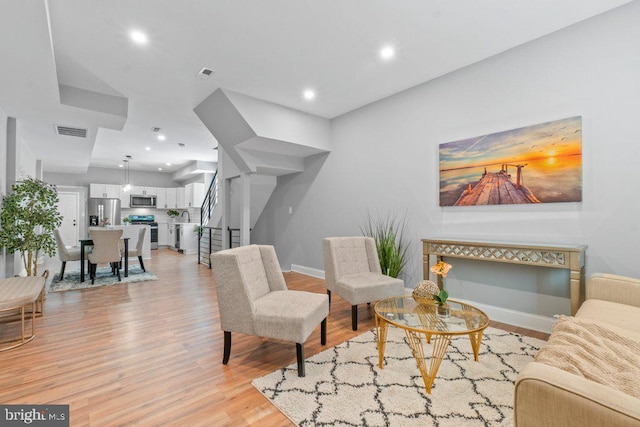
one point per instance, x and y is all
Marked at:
(104, 209)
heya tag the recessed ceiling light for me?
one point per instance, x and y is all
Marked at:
(120, 166)
(387, 53)
(138, 37)
(159, 169)
(147, 148)
(162, 137)
(168, 164)
(309, 94)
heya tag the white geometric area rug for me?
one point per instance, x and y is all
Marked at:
(344, 386)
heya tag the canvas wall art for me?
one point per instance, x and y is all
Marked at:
(534, 164)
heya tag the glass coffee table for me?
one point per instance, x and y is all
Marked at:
(418, 318)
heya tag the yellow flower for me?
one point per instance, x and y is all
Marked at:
(441, 268)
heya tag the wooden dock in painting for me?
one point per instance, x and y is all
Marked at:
(497, 189)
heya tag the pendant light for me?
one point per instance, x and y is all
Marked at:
(127, 186)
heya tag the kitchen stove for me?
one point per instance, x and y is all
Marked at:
(150, 221)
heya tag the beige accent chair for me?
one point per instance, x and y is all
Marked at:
(65, 254)
(253, 299)
(137, 251)
(352, 270)
(105, 250)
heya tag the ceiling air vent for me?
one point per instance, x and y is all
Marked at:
(70, 131)
(204, 74)
(155, 129)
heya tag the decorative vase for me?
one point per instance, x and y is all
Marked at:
(443, 310)
(426, 290)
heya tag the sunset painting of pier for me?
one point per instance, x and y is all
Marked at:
(534, 164)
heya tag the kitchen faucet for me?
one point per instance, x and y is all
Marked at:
(188, 215)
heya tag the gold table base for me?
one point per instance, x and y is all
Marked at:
(440, 344)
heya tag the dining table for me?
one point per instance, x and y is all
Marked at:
(89, 242)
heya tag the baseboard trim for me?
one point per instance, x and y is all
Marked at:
(313, 272)
(531, 321)
(521, 319)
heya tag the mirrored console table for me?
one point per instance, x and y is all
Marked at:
(570, 257)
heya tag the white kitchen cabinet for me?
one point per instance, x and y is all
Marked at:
(137, 190)
(161, 198)
(194, 194)
(180, 198)
(108, 191)
(163, 234)
(172, 198)
(96, 190)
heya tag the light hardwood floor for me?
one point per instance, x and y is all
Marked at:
(150, 353)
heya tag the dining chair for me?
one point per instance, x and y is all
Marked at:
(253, 299)
(105, 250)
(352, 270)
(64, 253)
(137, 251)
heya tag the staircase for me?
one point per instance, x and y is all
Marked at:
(258, 142)
(209, 238)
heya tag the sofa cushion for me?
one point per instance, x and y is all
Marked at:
(624, 319)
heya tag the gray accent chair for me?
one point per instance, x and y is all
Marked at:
(352, 270)
(65, 254)
(253, 299)
(105, 250)
(137, 251)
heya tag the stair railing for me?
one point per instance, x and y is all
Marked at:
(208, 205)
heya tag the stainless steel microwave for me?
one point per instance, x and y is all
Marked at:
(143, 201)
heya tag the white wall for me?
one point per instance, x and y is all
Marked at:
(385, 158)
(26, 160)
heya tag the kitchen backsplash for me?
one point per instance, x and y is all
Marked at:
(161, 214)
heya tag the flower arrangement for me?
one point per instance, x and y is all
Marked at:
(441, 269)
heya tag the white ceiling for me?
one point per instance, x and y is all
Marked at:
(269, 49)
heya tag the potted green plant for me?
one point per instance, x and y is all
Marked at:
(173, 214)
(126, 220)
(28, 217)
(390, 242)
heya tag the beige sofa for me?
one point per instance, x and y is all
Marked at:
(548, 396)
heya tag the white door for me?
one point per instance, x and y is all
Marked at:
(69, 206)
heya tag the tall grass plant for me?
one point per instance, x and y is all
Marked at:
(388, 233)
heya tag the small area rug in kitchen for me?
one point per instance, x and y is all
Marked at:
(344, 386)
(71, 281)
